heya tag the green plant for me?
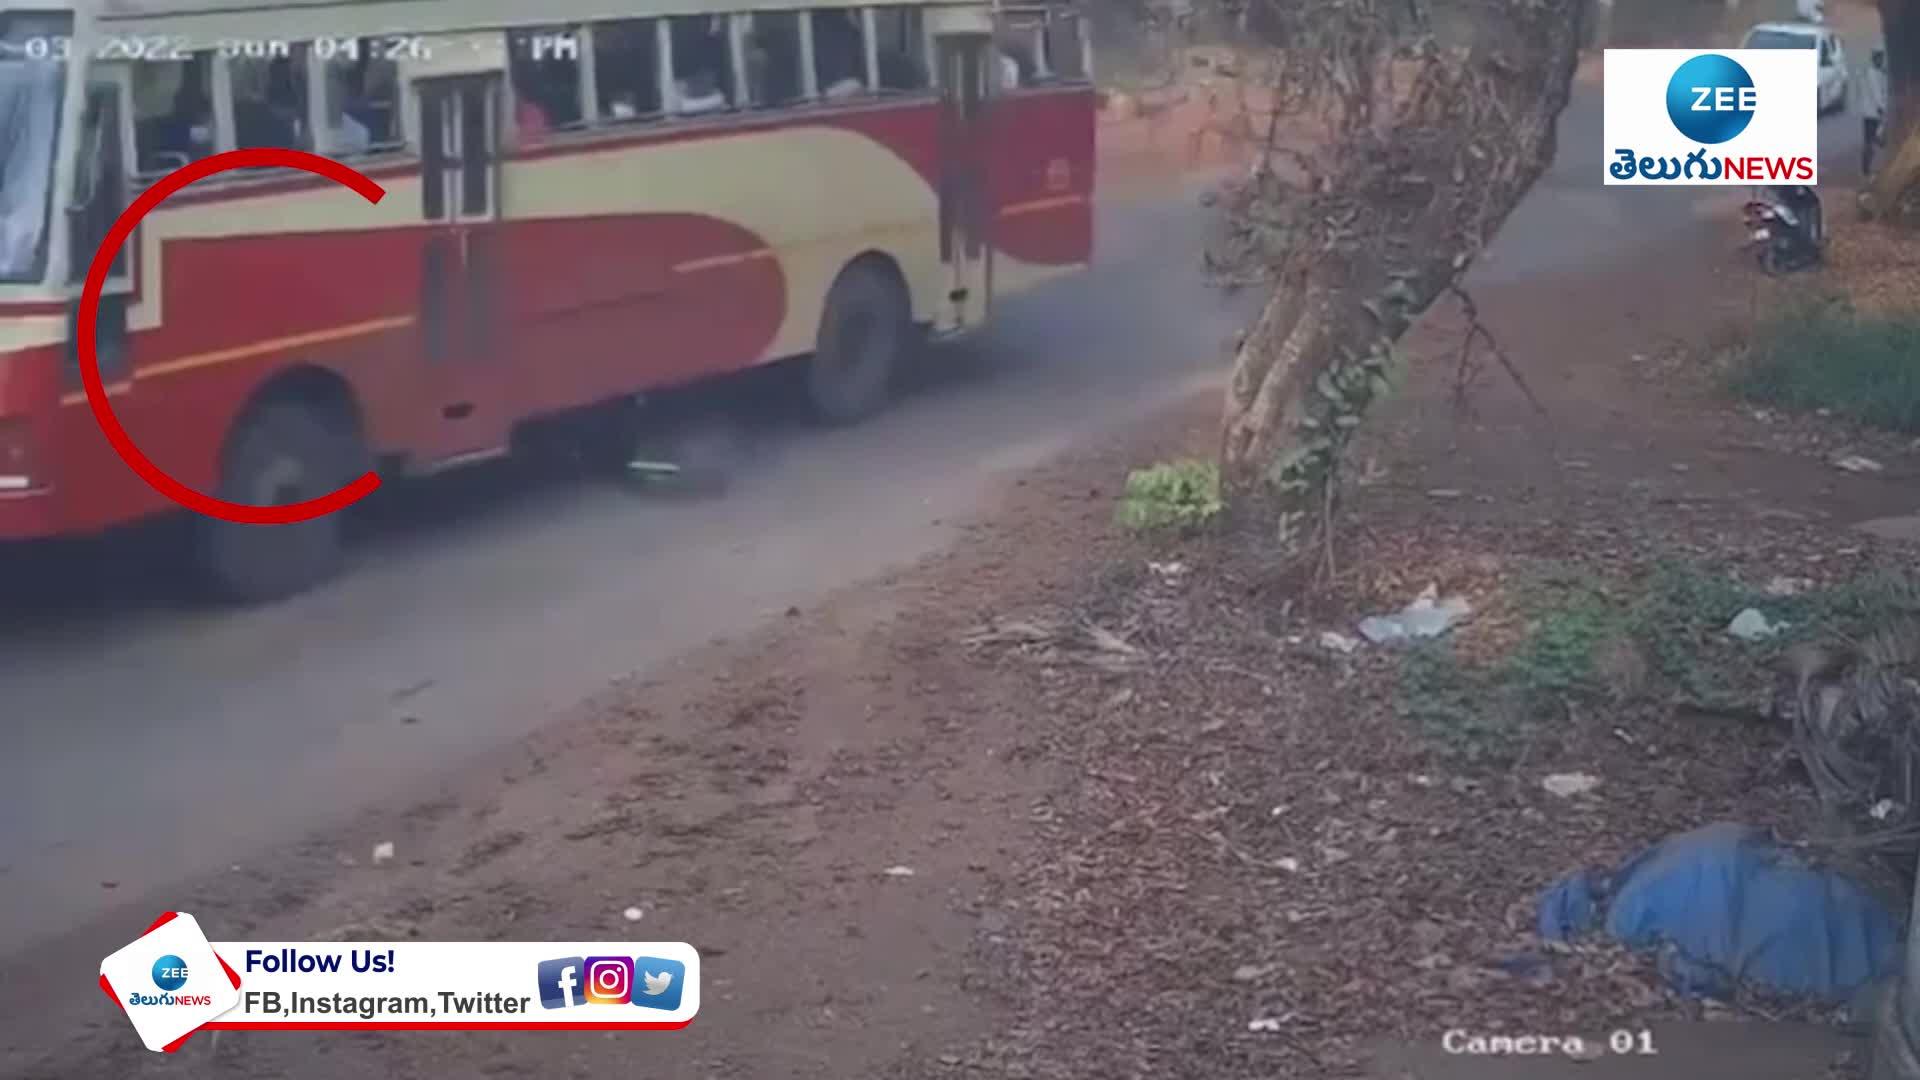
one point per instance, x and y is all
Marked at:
(1637, 643)
(1824, 356)
(1171, 495)
(1464, 710)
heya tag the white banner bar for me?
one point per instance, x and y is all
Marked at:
(304, 985)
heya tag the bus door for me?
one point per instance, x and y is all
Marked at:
(469, 384)
(965, 237)
(100, 192)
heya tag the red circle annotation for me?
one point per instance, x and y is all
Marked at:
(87, 318)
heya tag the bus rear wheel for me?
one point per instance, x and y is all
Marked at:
(863, 334)
(278, 455)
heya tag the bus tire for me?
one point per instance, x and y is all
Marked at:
(863, 333)
(279, 454)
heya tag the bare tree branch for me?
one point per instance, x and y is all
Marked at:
(1478, 331)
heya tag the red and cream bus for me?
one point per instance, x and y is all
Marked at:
(586, 200)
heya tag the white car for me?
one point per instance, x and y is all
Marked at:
(1834, 79)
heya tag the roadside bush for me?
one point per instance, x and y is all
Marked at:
(1640, 644)
(1171, 495)
(1865, 368)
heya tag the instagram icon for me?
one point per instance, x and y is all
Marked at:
(609, 980)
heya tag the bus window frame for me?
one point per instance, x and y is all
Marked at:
(319, 87)
(870, 46)
(583, 88)
(216, 141)
(45, 266)
(923, 53)
(738, 25)
(313, 89)
(405, 144)
(802, 32)
(117, 78)
(869, 51)
(591, 72)
(809, 75)
(586, 72)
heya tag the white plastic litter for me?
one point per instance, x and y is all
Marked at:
(1751, 625)
(383, 851)
(1567, 785)
(1427, 617)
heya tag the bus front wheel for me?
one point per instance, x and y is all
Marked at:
(280, 454)
(863, 334)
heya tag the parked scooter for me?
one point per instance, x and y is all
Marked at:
(1785, 228)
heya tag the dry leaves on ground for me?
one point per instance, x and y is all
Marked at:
(1261, 866)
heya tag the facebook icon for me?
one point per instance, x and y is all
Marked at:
(560, 982)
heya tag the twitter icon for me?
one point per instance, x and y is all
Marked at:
(660, 983)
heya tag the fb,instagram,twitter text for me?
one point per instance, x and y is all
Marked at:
(376, 1007)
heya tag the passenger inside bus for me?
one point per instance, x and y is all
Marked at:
(269, 109)
(624, 106)
(1016, 59)
(345, 133)
(361, 92)
(550, 84)
(700, 51)
(1009, 70)
(529, 116)
(839, 54)
(626, 68)
(184, 133)
(700, 93)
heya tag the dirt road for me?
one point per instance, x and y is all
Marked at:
(747, 797)
(480, 614)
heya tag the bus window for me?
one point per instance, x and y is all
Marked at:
(839, 53)
(362, 104)
(626, 69)
(31, 91)
(1019, 40)
(901, 39)
(1064, 56)
(173, 113)
(702, 64)
(546, 78)
(773, 58)
(270, 100)
(99, 182)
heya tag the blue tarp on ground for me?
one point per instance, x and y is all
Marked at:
(1729, 905)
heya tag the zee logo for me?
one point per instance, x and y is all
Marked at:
(170, 972)
(1711, 98)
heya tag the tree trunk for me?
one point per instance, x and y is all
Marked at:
(1466, 143)
(1900, 28)
(1900, 171)
(1894, 181)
